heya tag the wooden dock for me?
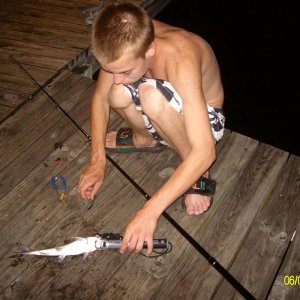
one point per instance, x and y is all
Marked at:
(248, 229)
(47, 37)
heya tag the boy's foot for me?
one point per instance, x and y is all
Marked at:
(197, 204)
(199, 197)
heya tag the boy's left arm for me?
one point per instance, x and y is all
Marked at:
(185, 77)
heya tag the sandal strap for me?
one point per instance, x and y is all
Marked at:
(203, 186)
(124, 137)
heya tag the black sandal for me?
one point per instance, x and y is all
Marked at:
(203, 186)
(124, 143)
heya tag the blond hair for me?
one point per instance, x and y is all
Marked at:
(120, 28)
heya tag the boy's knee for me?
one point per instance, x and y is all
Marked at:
(152, 101)
(118, 97)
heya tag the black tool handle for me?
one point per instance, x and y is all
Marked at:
(157, 244)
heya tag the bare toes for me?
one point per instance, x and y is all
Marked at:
(197, 204)
(110, 140)
(189, 208)
(190, 212)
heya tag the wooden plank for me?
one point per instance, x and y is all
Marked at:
(50, 47)
(74, 12)
(136, 280)
(226, 223)
(96, 285)
(60, 25)
(11, 99)
(128, 283)
(118, 284)
(229, 228)
(136, 276)
(23, 143)
(148, 288)
(52, 33)
(11, 73)
(4, 110)
(233, 148)
(54, 2)
(148, 177)
(40, 38)
(34, 59)
(59, 89)
(284, 289)
(11, 69)
(45, 216)
(40, 13)
(30, 211)
(32, 126)
(144, 280)
(14, 202)
(8, 45)
(14, 83)
(269, 235)
(79, 5)
(65, 83)
(23, 205)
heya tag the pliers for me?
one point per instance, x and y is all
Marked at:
(60, 185)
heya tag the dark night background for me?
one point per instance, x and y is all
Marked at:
(255, 44)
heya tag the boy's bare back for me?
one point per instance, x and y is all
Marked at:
(174, 46)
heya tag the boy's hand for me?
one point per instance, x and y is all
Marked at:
(140, 229)
(90, 181)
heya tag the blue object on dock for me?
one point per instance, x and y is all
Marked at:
(59, 183)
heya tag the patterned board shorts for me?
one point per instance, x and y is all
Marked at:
(216, 115)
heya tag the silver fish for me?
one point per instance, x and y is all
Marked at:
(79, 246)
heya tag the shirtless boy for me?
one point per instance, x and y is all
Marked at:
(182, 109)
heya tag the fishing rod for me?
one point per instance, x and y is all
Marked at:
(211, 260)
(56, 104)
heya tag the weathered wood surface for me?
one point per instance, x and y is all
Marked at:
(269, 235)
(30, 213)
(247, 229)
(246, 173)
(290, 267)
(23, 137)
(44, 36)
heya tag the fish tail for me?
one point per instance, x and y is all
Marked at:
(23, 248)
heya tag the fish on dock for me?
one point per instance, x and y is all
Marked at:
(90, 244)
(79, 246)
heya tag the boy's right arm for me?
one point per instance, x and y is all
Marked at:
(91, 178)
